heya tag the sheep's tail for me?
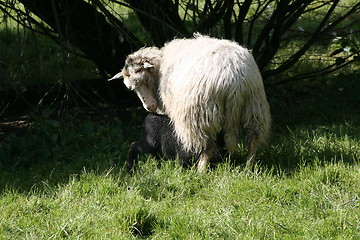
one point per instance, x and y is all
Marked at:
(246, 106)
(256, 116)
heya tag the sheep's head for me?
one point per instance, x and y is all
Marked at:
(140, 74)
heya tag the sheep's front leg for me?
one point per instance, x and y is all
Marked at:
(204, 159)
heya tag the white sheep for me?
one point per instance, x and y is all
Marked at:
(206, 86)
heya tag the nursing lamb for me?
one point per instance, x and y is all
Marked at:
(158, 138)
(205, 86)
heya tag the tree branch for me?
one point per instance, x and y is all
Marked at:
(243, 10)
(160, 18)
(294, 58)
(321, 72)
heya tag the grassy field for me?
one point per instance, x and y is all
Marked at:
(65, 179)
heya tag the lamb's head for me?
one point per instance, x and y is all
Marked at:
(141, 73)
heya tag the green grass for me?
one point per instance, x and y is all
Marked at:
(316, 202)
(65, 179)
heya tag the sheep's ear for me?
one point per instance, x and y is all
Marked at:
(117, 76)
(147, 65)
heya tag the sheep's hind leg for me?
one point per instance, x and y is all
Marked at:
(252, 144)
(204, 160)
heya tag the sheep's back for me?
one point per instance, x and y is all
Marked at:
(199, 79)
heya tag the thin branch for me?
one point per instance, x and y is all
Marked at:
(293, 59)
(243, 10)
(354, 9)
(209, 20)
(261, 7)
(48, 32)
(322, 72)
(227, 18)
(116, 23)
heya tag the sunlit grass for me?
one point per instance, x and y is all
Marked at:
(318, 201)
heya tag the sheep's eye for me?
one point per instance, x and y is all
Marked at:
(138, 84)
(126, 74)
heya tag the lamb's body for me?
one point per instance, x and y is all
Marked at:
(158, 138)
(206, 86)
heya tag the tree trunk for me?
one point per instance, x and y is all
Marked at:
(78, 23)
(160, 18)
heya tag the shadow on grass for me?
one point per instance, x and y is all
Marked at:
(318, 123)
(321, 127)
(52, 150)
(313, 144)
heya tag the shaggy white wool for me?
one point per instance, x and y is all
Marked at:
(206, 86)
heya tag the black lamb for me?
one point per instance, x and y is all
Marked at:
(158, 138)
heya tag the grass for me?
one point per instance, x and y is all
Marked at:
(65, 179)
(170, 203)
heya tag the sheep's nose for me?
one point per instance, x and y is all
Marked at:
(150, 107)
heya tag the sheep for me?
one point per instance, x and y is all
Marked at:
(206, 86)
(158, 138)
